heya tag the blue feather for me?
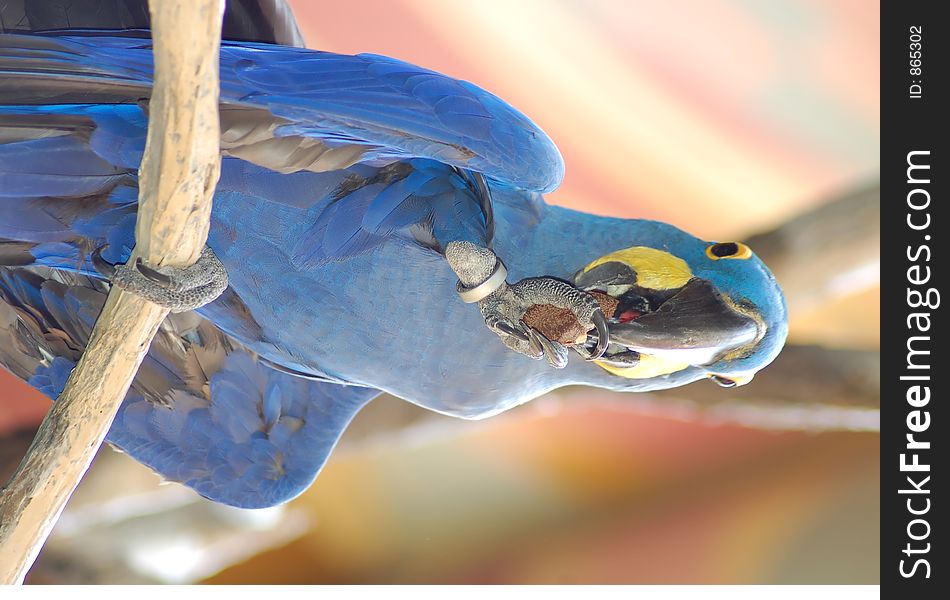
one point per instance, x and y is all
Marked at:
(258, 438)
(332, 274)
(376, 100)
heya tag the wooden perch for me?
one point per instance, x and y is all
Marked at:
(829, 252)
(807, 387)
(177, 178)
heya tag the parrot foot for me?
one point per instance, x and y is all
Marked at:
(177, 289)
(505, 306)
(617, 355)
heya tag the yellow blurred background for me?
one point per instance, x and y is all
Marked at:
(726, 118)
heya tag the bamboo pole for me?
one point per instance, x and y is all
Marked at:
(177, 177)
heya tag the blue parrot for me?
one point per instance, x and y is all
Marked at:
(369, 216)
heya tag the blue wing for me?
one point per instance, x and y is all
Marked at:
(68, 186)
(292, 109)
(303, 130)
(203, 410)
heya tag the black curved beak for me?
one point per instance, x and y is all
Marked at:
(695, 325)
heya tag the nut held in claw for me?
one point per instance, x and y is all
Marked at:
(560, 325)
(554, 323)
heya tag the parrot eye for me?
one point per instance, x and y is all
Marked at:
(733, 250)
(723, 381)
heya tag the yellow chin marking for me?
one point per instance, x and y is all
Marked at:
(656, 269)
(649, 366)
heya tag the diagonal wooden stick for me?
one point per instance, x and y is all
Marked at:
(176, 181)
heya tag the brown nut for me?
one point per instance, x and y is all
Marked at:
(558, 324)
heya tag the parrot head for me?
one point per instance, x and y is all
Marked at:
(686, 309)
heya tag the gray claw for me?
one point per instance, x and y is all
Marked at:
(616, 355)
(508, 328)
(603, 335)
(622, 358)
(151, 274)
(534, 339)
(554, 352)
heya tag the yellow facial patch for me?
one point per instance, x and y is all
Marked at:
(649, 366)
(656, 269)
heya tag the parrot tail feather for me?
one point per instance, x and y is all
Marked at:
(203, 410)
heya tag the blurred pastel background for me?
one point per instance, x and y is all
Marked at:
(726, 118)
